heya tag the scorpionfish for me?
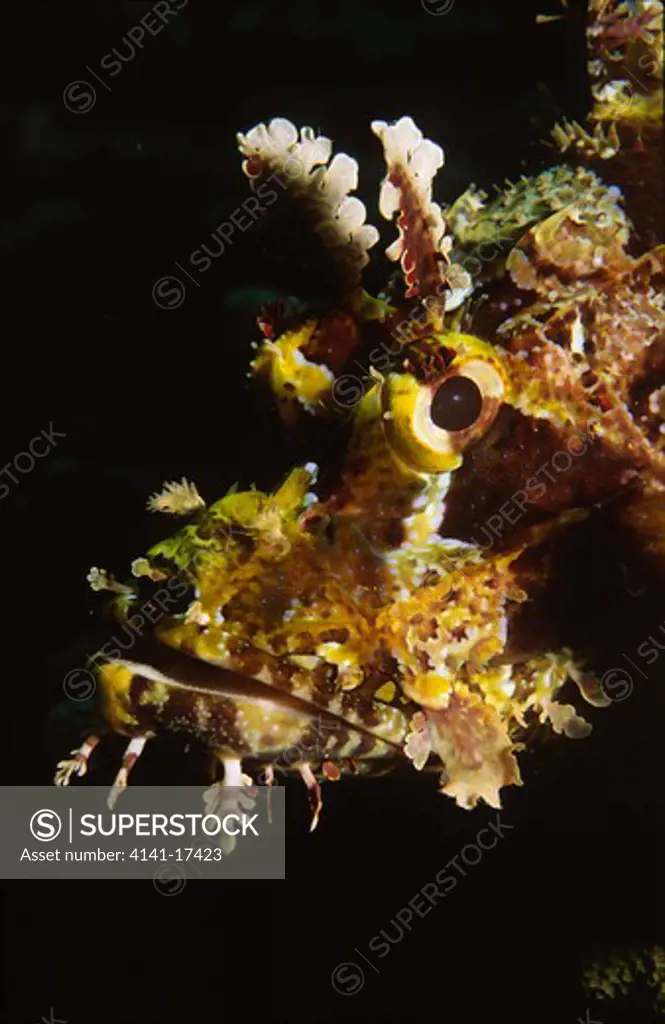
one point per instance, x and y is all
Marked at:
(510, 379)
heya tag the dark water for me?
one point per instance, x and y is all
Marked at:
(107, 197)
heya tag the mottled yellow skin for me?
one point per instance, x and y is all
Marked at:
(320, 600)
(375, 601)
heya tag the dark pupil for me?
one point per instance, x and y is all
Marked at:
(457, 404)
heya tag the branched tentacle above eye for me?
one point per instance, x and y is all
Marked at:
(423, 246)
(393, 611)
(280, 160)
(293, 175)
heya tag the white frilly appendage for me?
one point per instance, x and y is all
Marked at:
(422, 246)
(76, 765)
(297, 163)
(230, 796)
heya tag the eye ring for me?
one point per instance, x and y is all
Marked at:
(428, 426)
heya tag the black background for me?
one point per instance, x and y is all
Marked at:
(102, 205)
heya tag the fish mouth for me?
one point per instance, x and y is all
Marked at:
(157, 663)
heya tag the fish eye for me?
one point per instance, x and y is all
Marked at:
(457, 404)
(429, 424)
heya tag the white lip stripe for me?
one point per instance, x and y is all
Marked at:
(148, 672)
(135, 746)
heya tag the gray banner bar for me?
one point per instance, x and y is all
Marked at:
(168, 834)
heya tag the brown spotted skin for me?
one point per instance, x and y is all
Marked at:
(236, 717)
(216, 722)
(389, 601)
